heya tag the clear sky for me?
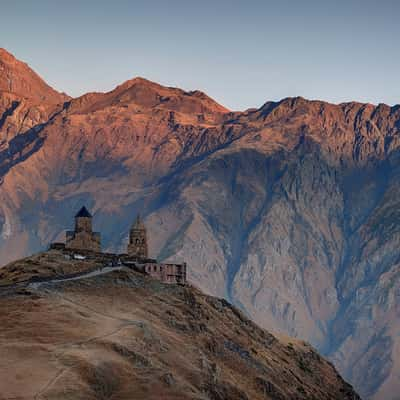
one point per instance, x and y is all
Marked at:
(242, 53)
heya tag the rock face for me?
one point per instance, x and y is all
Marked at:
(122, 335)
(289, 211)
(17, 78)
(26, 101)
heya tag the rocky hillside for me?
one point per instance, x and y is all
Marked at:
(18, 79)
(289, 211)
(122, 335)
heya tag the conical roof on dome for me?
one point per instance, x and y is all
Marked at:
(83, 213)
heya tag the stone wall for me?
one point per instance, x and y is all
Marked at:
(83, 224)
(138, 243)
(83, 241)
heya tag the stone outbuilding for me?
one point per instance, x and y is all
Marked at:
(167, 273)
(83, 237)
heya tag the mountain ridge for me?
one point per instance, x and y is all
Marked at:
(7, 57)
(18, 78)
(289, 210)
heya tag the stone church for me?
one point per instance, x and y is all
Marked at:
(84, 240)
(83, 236)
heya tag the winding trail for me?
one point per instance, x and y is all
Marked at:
(63, 348)
(97, 272)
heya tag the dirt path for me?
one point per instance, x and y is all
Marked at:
(100, 271)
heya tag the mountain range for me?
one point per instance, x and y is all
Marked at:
(289, 211)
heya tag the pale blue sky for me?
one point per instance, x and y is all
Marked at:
(242, 53)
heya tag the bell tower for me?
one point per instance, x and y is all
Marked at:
(137, 246)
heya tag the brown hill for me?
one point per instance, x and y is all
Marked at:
(289, 210)
(122, 335)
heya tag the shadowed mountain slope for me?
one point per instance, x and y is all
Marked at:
(289, 211)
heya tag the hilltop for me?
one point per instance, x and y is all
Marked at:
(123, 335)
